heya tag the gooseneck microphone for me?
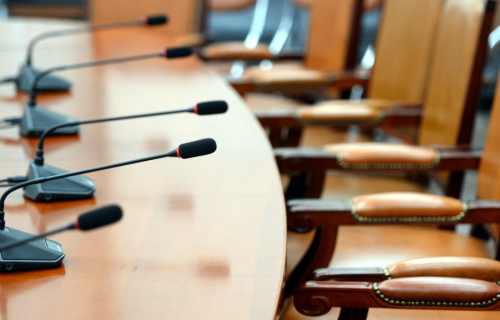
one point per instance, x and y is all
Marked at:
(69, 187)
(44, 253)
(202, 109)
(36, 120)
(51, 83)
(146, 21)
(171, 53)
(91, 220)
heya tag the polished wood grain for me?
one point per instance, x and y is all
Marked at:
(404, 50)
(201, 238)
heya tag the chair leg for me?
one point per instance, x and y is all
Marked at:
(296, 187)
(353, 314)
(317, 256)
(315, 186)
(293, 138)
(275, 137)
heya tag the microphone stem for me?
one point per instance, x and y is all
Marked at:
(32, 101)
(36, 237)
(39, 154)
(68, 32)
(172, 153)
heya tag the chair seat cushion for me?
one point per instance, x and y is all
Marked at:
(236, 51)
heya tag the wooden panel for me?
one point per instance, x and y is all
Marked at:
(201, 238)
(184, 15)
(403, 50)
(227, 5)
(489, 170)
(451, 70)
(329, 34)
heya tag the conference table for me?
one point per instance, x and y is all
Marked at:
(201, 238)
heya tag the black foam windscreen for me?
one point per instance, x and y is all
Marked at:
(211, 107)
(99, 217)
(197, 148)
(179, 52)
(156, 20)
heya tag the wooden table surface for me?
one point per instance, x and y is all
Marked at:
(202, 238)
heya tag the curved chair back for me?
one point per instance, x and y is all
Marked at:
(333, 34)
(455, 76)
(403, 50)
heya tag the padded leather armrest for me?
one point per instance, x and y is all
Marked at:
(365, 155)
(453, 267)
(303, 215)
(438, 292)
(316, 298)
(235, 51)
(368, 157)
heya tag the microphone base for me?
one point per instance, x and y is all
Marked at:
(38, 254)
(48, 83)
(71, 188)
(36, 120)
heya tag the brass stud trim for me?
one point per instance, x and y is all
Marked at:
(387, 274)
(391, 220)
(476, 304)
(367, 166)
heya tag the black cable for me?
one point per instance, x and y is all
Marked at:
(7, 80)
(15, 180)
(8, 123)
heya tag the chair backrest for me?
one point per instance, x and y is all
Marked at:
(229, 5)
(184, 16)
(455, 76)
(403, 50)
(333, 34)
(488, 184)
(304, 3)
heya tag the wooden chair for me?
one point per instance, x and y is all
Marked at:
(445, 120)
(447, 283)
(402, 209)
(403, 52)
(332, 44)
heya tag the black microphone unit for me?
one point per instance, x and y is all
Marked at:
(45, 253)
(36, 120)
(53, 251)
(81, 187)
(27, 75)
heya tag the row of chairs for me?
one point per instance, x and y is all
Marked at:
(423, 89)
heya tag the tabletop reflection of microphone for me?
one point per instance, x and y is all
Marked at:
(48, 253)
(35, 120)
(52, 83)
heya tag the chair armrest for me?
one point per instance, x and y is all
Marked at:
(298, 81)
(315, 298)
(339, 115)
(453, 267)
(304, 215)
(374, 157)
